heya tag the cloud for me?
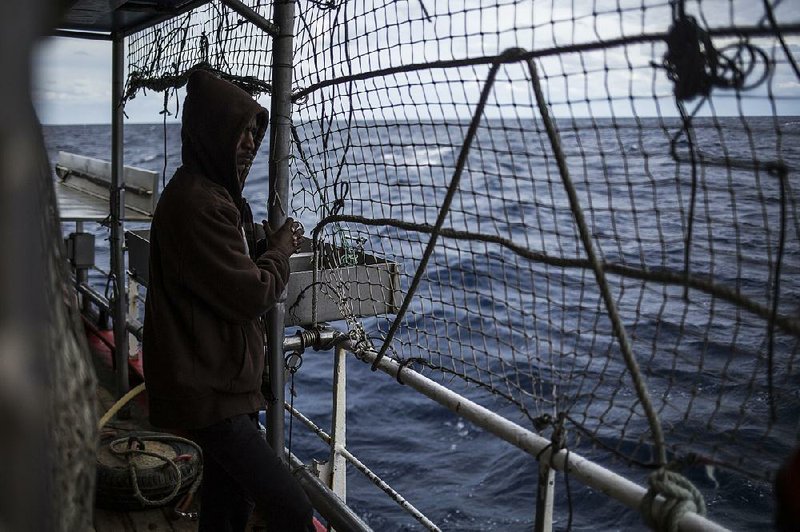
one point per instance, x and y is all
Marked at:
(72, 85)
(72, 73)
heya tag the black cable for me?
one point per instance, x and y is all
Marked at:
(782, 175)
(779, 34)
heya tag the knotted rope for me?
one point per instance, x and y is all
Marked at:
(681, 498)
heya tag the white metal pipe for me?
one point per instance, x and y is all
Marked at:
(545, 497)
(333, 509)
(248, 13)
(339, 425)
(391, 492)
(585, 471)
(367, 472)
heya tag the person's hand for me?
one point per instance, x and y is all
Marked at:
(287, 238)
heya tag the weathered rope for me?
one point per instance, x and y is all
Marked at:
(787, 324)
(770, 14)
(696, 67)
(776, 294)
(734, 31)
(681, 498)
(138, 81)
(130, 453)
(116, 407)
(611, 307)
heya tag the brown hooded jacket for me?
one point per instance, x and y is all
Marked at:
(203, 345)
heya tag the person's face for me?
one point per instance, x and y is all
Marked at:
(246, 149)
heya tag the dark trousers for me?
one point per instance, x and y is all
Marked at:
(240, 470)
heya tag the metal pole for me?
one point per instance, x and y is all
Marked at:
(585, 471)
(334, 510)
(252, 16)
(544, 498)
(339, 425)
(81, 274)
(279, 150)
(117, 201)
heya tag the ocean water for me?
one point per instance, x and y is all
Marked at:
(460, 476)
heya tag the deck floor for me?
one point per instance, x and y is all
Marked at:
(133, 419)
(156, 520)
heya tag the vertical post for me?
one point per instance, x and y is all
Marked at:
(117, 202)
(279, 150)
(339, 425)
(133, 310)
(544, 495)
(81, 274)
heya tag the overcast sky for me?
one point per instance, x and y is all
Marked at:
(72, 84)
(72, 77)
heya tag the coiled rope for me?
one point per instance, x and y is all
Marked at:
(681, 498)
(134, 446)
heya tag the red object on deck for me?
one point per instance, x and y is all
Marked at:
(101, 342)
(319, 527)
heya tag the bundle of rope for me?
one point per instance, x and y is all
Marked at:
(143, 469)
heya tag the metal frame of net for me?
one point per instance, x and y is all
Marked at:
(594, 205)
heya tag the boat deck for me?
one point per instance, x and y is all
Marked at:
(156, 520)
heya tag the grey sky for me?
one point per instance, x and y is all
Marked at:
(72, 77)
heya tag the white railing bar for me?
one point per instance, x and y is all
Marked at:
(324, 436)
(391, 492)
(366, 471)
(587, 472)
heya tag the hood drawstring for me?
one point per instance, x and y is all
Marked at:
(247, 224)
(250, 239)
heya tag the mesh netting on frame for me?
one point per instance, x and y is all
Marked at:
(662, 247)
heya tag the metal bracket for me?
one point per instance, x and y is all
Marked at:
(321, 338)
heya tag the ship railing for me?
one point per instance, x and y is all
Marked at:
(333, 473)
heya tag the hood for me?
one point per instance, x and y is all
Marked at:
(215, 112)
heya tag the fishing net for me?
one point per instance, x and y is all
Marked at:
(593, 206)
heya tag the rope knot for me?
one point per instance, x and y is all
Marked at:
(681, 498)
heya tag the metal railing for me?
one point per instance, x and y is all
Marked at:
(587, 472)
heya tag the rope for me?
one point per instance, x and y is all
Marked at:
(776, 294)
(619, 329)
(681, 498)
(292, 363)
(130, 453)
(779, 33)
(138, 81)
(734, 31)
(165, 112)
(787, 324)
(687, 249)
(116, 407)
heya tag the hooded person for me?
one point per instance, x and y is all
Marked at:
(204, 345)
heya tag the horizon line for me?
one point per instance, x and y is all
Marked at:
(172, 122)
